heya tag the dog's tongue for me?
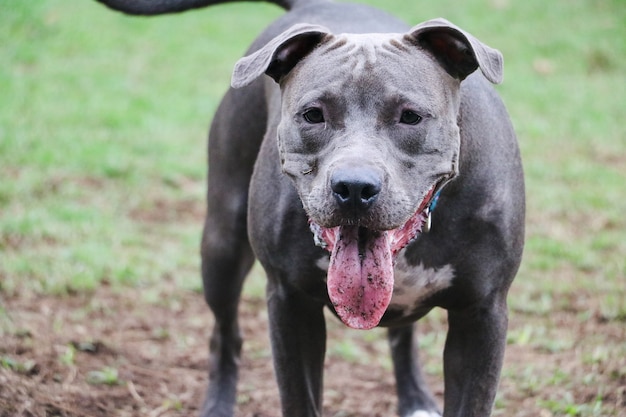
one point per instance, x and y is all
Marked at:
(360, 276)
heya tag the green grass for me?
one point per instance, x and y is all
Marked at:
(103, 120)
(105, 376)
(102, 116)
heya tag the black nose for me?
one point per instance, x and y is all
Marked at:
(355, 189)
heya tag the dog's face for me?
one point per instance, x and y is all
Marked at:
(368, 130)
(368, 133)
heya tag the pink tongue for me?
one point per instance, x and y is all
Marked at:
(360, 276)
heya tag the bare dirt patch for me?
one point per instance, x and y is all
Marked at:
(114, 353)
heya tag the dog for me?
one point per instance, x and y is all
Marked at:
(374, 171)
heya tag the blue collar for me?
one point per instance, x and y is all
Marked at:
(429, 211)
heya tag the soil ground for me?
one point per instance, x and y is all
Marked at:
(105, 354)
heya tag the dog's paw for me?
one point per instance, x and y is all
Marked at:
(422, 413)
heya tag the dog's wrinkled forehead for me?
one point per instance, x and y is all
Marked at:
(374, 65)
(364, 49)
(356, 52)
(370, 52)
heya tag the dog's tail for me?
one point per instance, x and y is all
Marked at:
(155, 7)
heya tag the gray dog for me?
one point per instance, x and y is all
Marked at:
(375, 172)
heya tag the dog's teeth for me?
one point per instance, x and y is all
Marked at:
(316, 229)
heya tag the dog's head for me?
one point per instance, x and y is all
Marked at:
(368, 133)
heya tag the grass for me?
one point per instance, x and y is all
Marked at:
(103, 120)
(77, 162)
(104, 376)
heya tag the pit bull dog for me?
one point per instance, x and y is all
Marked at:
(373, 171)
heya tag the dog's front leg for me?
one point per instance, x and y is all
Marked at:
(298, 336)
(473, 357)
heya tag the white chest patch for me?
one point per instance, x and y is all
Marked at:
(413, 284)
(421, 413)
(323, 263)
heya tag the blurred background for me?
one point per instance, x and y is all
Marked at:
(103, 123)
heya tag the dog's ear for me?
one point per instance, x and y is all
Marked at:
(458, 52)
(280, 55)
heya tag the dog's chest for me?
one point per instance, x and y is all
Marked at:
(413, 284)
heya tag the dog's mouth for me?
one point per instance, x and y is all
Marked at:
(360, 275)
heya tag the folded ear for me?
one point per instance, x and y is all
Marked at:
(458, 52)
(279, 55)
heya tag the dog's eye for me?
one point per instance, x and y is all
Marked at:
(409, 117)
(313, 115)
